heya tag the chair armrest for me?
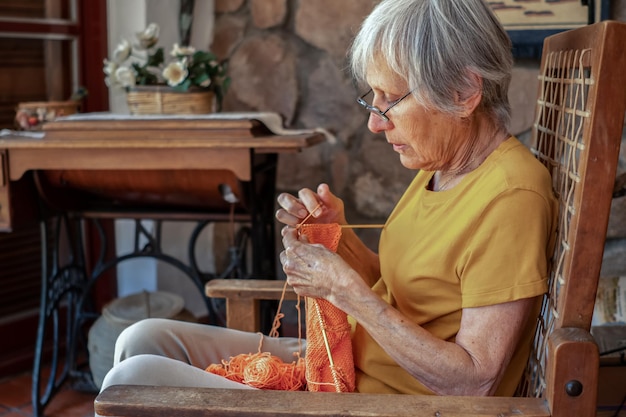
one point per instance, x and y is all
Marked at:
(150, 401)
(242, 299)
(572, 368)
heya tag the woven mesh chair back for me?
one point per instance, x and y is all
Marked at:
(577, 135)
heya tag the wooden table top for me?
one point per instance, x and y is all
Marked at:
(164, 132)
(167, 142)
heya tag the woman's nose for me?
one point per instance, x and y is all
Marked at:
(376, 124)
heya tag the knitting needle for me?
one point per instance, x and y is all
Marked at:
(343, 226)
(362, 226)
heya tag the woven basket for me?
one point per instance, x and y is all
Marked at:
(165, 100)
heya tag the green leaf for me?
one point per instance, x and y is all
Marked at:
(196, 70)
(155, 59)
(204, 57)
(200, 78)
(184, 86)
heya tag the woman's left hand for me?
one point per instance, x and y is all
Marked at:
(312, 270)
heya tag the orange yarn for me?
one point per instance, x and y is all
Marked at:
(329, 361)
(329, 365)
(263, 371)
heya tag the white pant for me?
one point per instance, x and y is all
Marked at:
(175, 353)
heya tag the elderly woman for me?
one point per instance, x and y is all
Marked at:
(448, 304)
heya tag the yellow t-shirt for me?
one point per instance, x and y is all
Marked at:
(484, 242)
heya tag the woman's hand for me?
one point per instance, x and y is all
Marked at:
(313, 270)
(323, 206)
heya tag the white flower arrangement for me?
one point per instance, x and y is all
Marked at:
(144, 64)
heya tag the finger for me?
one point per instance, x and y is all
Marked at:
(285, 218)
(328, 198)
(333, 204)
(325, 195)
(289, 264)
(292, 205)
(311, 201)
(293, 265)
(290, 237)
(323, 190)
(283, 260)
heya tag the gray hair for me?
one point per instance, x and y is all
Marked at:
(435, 46)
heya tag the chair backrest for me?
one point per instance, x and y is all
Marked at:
(577, 135)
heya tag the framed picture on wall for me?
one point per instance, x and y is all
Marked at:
(528, 22)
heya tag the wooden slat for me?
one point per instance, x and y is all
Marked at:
(148, 401)
(24, 8)
(260, 289)
(243, 299)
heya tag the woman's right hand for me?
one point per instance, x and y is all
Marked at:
(323, 206)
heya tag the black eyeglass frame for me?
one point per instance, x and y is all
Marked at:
(376, 110)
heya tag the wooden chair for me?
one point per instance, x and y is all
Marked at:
(577, 135)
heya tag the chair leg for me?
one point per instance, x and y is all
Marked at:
(243, 314)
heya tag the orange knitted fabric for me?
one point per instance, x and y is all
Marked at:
(329, 364)
(329, 361)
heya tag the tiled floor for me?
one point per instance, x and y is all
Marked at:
(15, 400)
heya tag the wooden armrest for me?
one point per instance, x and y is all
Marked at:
(572, 369)
(149, 401)
(242, 299)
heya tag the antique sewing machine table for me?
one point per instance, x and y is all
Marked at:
(85, 168)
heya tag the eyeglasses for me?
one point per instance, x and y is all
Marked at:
(376, 110)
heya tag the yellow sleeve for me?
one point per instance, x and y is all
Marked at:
(506, 258)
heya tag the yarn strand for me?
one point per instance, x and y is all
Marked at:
(328, 364)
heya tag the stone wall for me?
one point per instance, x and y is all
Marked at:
(289, 56)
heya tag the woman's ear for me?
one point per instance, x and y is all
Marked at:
(471, 97)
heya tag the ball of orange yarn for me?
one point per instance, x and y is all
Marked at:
(264, 371)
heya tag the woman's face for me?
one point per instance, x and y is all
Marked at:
(424, 138)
